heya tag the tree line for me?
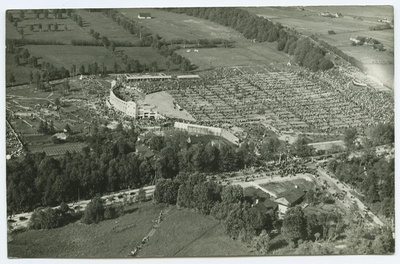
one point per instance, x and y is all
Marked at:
(253, 27)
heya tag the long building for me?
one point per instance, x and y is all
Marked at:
(138, 109)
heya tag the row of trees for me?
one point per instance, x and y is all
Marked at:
(107, 165)
(257, 28)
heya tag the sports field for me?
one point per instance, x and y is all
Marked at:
(241, 55)
(164, 102)
(180, 26)
(282, 186)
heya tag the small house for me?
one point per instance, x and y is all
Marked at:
(144, 16)
(289, 199)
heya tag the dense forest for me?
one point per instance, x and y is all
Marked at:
(306, 52)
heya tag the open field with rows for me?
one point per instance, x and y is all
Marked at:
(180, 26)
(67, 28)
(378, 63)
(56, 150)
(286, 100)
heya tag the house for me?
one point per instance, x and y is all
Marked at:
(289, 199)
(144, 16)
(144, 151)
(253, 194)
(267, 207)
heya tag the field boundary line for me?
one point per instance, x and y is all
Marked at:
(197, 238)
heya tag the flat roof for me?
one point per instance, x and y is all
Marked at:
(188, 76)
(139, 77)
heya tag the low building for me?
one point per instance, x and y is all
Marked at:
(266, 207)
(289, 199)
(144, 16)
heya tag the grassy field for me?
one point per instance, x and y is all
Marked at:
(241, 55)
(378, 63)
(186, 233)
(282, 186)
(73, 55)
(109, 239)
(182, 233)
(145, 55)
(105, 26)
(174, 26)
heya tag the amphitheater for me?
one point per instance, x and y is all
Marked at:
(132, 106)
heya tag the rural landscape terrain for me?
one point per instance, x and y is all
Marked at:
(198, 132)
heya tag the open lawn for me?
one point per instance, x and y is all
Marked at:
(108, 239)
(145, 55)
(180, 26)
(186, 233)
(105, 26)
(251, 54)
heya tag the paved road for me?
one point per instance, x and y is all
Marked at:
(343, 187)
(82, 204)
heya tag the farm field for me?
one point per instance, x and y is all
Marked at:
(378, 63)
(189, 234)
(109, 239)
(56, 150)
(62, 35)
(180, 26)
(73, 55)
(105, 26)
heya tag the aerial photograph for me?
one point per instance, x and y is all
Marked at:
(199, 132)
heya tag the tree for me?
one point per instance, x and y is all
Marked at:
(94, 212)
(12, 79)
(141, 196)
(350, 136)
(80, 22)
(55, 26)
(294, 225)
(40, 27)
(30, 77)
(301, 147)
(16, 59)
(31, 28)
(261, 243)
(112, 46)
(67, 128)
(232, 194)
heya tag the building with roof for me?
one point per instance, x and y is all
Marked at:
(144, 151)
(144, 16)
(146, 77)
(266, 207)
(289, 199)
